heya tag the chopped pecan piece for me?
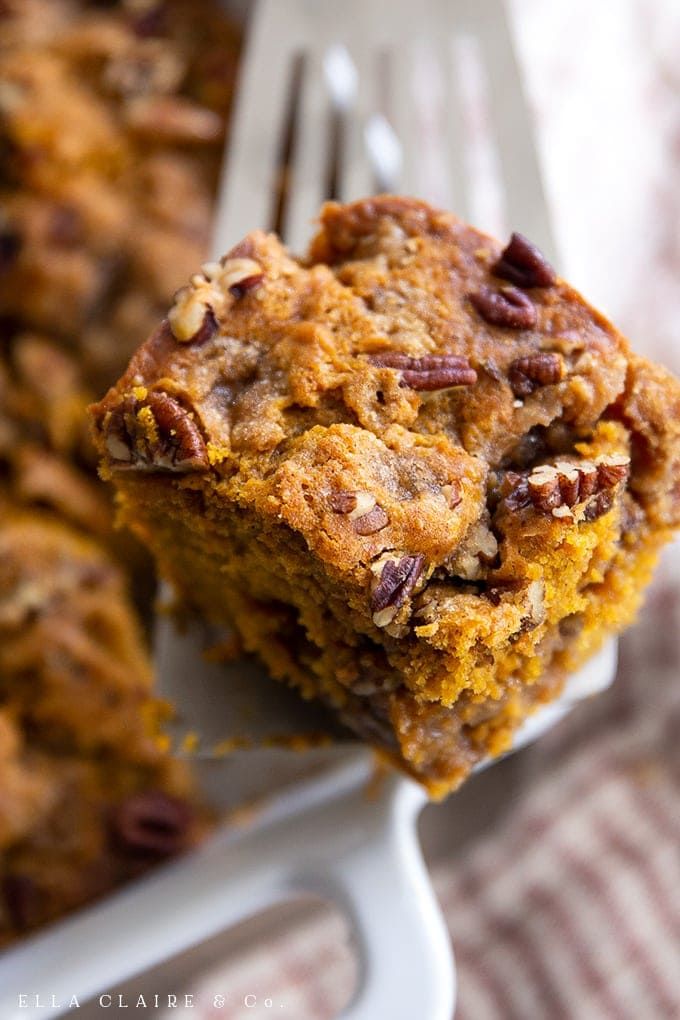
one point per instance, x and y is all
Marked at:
(398, 578)
(599, 505)
(477, 550)
(366, 516)
(505, 307)
(191, 318)
(156, 434)
(587, 478)
(208, 328)
(503, 587)
(194, 314)
(431, 372)
(343, 501)
(527, 374)
(544, 488)
(524, 264)
(570, 482)
(375, 520)
(515, 489)
(238, 276)
(536, 601)
(184, 321)
(365, 501)
(151, 824)
(612, 469)
(453, 494)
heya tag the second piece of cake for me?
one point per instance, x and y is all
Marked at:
(417, 471)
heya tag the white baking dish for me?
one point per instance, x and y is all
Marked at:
(321, 833)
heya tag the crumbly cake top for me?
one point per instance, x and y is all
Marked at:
(388, 394)
(399, 323)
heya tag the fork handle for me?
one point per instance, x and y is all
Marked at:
(363, 853)
(405, 953)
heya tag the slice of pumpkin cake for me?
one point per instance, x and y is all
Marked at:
(416, 470)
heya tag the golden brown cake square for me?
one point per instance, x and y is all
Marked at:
(416, 470)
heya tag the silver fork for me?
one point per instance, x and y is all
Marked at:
(397, 49)
(341, 100)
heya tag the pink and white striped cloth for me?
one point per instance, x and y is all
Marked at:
(567, 906)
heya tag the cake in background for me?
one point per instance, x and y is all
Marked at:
(112, 124)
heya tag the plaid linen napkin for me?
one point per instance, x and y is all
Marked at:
(566, 906)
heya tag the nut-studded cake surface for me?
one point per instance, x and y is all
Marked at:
(418, 472)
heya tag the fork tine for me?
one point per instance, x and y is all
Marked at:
(250, 166)
(454, 130)
(310, 159)
(526, 204)
(402, 112)
(356, 177)
(279, 33)
(280, 30)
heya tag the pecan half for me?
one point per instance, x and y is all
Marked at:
(156, 434)
(524, 264)
(151, 824)
(527, 374)
(505, 307)
(430, 372)
(398, 578)
(557, 488)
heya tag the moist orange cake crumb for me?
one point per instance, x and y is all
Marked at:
(419, 474)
